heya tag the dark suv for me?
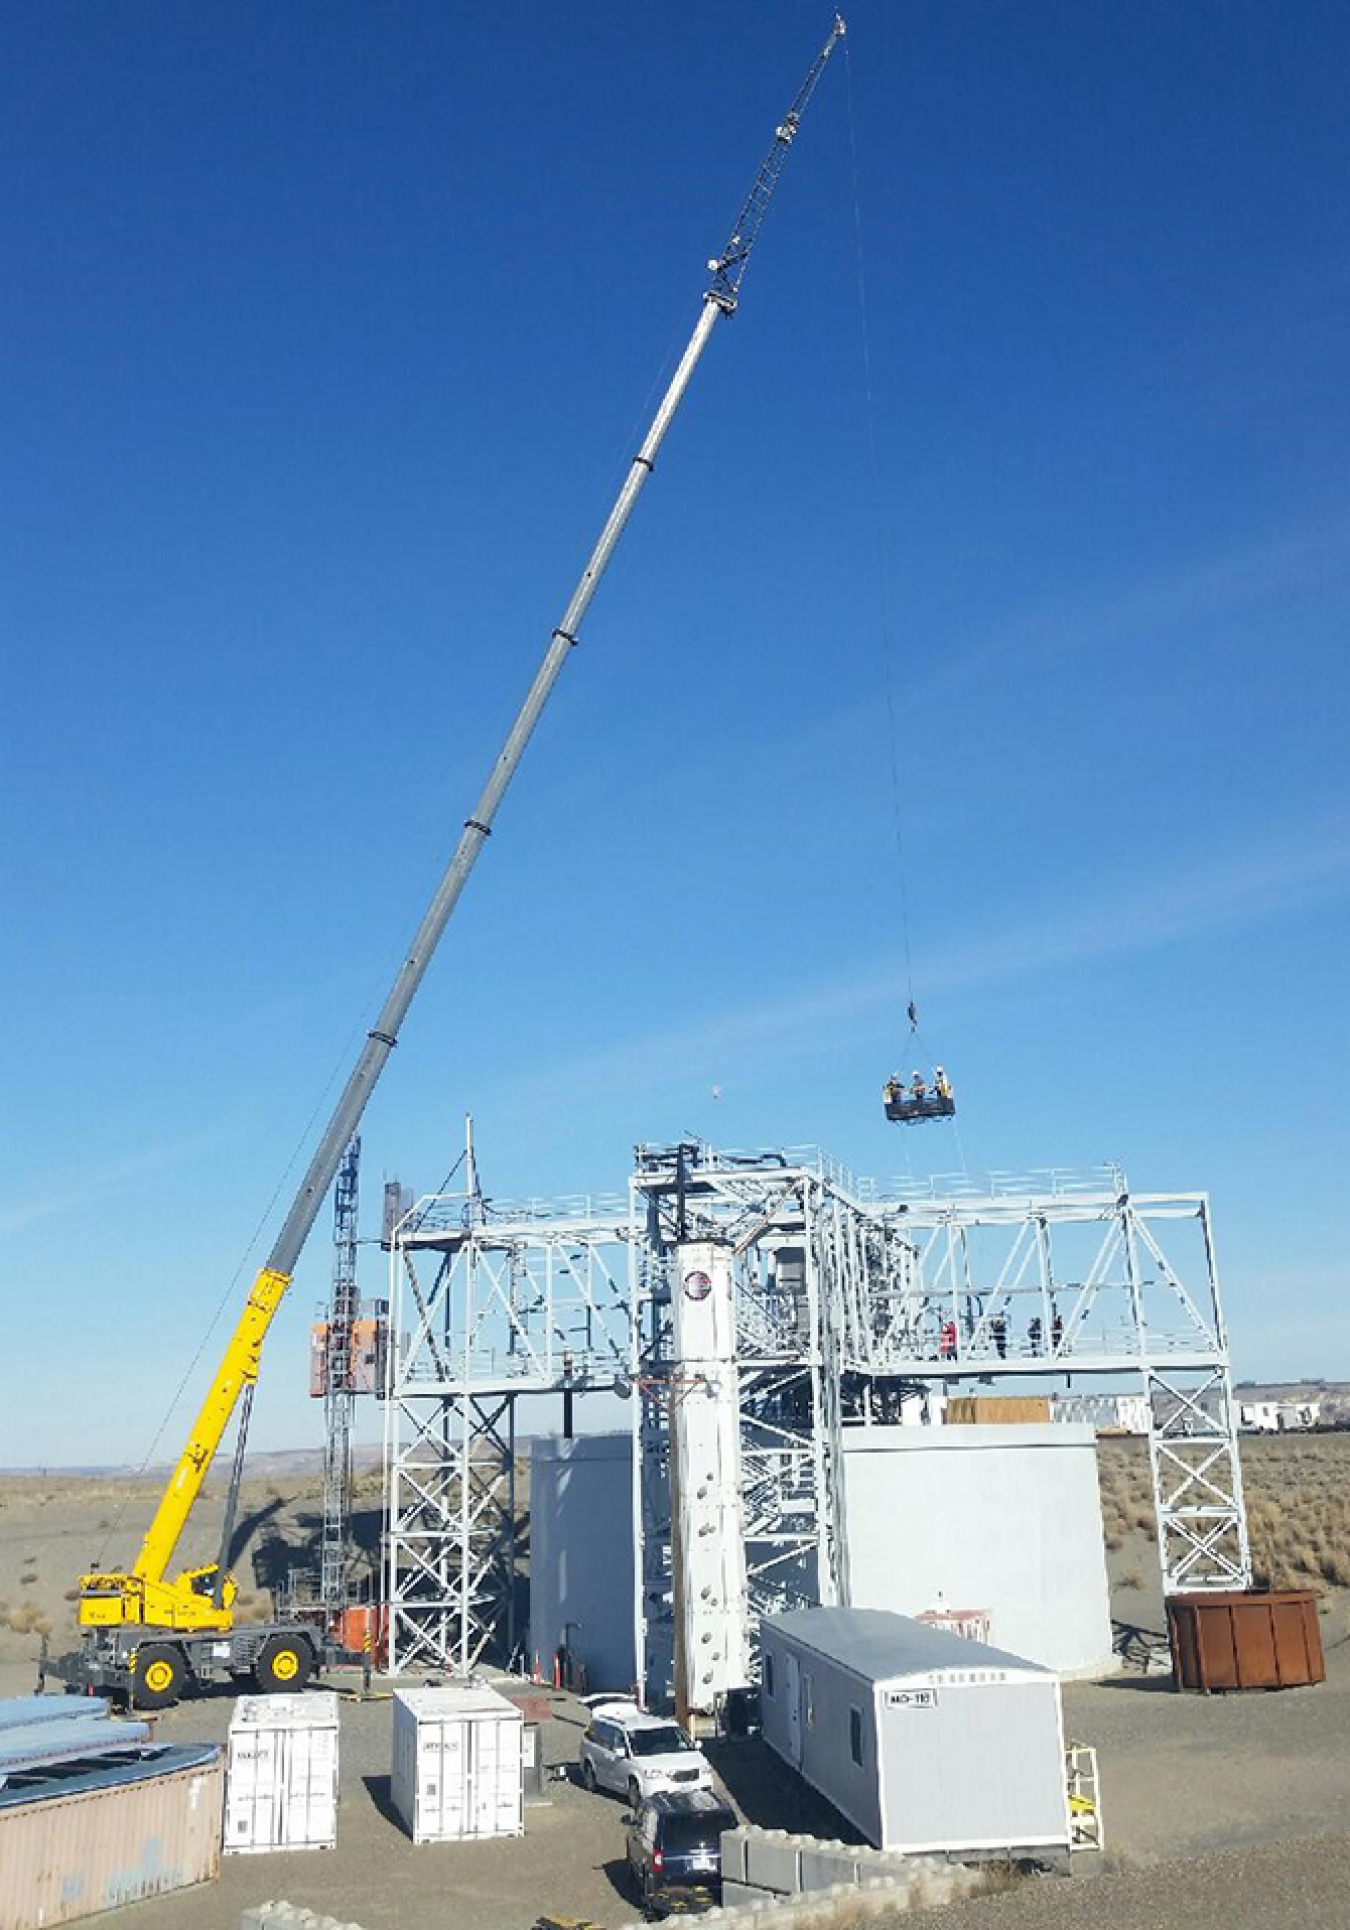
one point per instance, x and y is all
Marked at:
(675, 1842)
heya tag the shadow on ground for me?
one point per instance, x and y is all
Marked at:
(1150, 1684)
(380, 1791)
(1145, 1653)
(620, 1879)
(770, 1794)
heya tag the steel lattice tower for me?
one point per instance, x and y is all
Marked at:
(339, 1387)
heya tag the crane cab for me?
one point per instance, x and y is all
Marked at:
(912, 1104)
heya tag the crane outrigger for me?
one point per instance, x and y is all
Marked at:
(151, 1634)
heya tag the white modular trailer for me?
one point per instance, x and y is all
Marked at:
(281, 1782)
(924, 1740)
(458, 1769)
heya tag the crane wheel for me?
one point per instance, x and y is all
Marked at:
(283, 1662)
(158, 1676)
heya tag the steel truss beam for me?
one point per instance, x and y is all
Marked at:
(851, 1299)
(909, 1290)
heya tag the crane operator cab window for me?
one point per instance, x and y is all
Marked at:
(918, 1100)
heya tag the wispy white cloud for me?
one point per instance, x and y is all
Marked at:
(76, 1191)
(1234, 579)
(1307, 865)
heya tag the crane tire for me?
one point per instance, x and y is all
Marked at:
(158, 1675)
(284, 1662)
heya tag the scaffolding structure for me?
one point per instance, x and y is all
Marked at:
(853, 1303)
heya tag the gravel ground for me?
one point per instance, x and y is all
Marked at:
(569, 1860)
(1300, 1883)
(1220, 1812)
(1183, 1774)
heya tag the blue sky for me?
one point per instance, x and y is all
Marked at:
(327, 331)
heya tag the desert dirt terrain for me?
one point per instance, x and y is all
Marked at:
(1218, 1810)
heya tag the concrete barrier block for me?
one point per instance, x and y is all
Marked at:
(737, 1895)
(877, 1863)
(289, 1916)
(733, 1854)
(823, 1865)
(773, 1860)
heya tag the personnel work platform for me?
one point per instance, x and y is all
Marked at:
(905, 1108)
(848, 1300)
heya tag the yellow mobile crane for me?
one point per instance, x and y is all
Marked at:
(150, 1635)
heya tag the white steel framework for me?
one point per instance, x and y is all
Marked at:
(492, 1303)
(852, 1301)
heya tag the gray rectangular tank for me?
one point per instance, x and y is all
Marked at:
(581, 1555)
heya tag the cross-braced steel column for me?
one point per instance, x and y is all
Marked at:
(493, 1302)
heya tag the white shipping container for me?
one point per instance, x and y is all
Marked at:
(282, 1773)
(458, 1769)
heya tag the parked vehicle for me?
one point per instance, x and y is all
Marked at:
(675, 1843)
(637, 1755)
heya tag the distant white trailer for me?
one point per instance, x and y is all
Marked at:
(1107, 1413)
(924, 1740)
(458, 1768)
(281, 1786)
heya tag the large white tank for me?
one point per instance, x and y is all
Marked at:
(1007, 1520)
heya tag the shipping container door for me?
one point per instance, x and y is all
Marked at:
(510, 1776)
(440, 1779)
(252, 1819)
(484, 1742)
(310, 1788)
(792, 1673)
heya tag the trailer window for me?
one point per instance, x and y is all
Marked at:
(855, 1735)
(768, 1675)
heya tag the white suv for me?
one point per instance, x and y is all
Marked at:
(636, 1754)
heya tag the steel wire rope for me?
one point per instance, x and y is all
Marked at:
(373, 1005)
(883, 574)
(884, 597)
(621, 464)
(228, 1292)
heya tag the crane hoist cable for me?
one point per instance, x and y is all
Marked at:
(878, 539)
(940, 1105)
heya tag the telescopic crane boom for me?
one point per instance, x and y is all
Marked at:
(202, 1598)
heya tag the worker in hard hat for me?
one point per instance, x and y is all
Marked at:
(918, 1086)
(941, 1084)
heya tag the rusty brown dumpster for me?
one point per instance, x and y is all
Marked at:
(1246, 1639)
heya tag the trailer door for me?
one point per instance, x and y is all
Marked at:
(793, 1673)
